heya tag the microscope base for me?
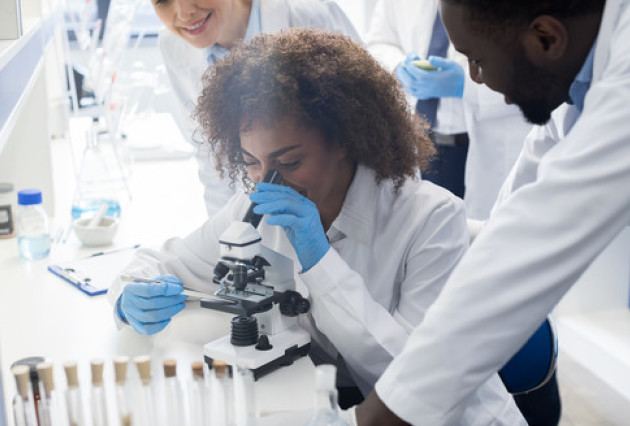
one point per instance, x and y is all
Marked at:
(287, 346)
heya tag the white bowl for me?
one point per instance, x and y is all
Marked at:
(93, 236)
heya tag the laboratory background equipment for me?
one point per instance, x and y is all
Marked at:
(122, 394)
(259, 281)
(99, 404)
(74, 400)
(34, 396)
(23, 404)
(7, 210)
(33, 225)
(48, 404)
(326, 405)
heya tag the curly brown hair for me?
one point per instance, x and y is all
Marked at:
(321, 80)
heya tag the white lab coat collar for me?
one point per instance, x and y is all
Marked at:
(274, 15)
(612, 12)
(355, 219)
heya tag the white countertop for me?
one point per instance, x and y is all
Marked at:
(42, 315)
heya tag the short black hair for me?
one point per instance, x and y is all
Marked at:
(504, 13)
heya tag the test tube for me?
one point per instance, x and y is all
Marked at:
(144, 414)
(172, 393)
(197, 395)
(244, 397)
(99, 405)
(221, 394)
(23, 406)
(47, 403)
(73, 395)
(120, 373)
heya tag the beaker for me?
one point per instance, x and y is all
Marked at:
(102, 178)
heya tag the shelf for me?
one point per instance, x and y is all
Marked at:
(20, 63)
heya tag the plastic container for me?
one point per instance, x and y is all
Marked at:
(7, 210)
(33, 225)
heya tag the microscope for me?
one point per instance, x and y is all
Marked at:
(257, 285)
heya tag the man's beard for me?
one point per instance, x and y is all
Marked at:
(532, 90)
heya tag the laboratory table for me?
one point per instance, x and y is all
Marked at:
(43, 315)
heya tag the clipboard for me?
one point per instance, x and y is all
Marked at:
(93, 274)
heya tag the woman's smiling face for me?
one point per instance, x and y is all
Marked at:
(308, 164)
(205, 22)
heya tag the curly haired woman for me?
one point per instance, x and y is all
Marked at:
(372, 244)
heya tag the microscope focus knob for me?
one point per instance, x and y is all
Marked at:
(294, 304)
(302, 306)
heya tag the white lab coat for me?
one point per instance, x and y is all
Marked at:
(496, 130)
(186, 64)
(572, 200)
(390, 256)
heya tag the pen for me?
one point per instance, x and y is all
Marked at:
(101, 253)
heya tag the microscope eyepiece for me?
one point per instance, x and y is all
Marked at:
(272, 176)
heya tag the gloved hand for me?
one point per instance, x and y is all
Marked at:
(445, 82)
(299, 218)
(149, 307)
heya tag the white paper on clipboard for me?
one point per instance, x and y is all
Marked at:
(99, 270)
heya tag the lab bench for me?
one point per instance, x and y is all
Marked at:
(41, 315)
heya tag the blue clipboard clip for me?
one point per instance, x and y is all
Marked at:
(76, 279)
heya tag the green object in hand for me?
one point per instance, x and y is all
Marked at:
(424, 64)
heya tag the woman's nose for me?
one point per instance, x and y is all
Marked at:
(185, 8)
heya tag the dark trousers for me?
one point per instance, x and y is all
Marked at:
(349, 396)
(448, 167)
(541, 407)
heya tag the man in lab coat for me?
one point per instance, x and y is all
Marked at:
(566, 64)
(495, 131)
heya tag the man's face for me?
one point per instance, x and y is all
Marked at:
(503, 66)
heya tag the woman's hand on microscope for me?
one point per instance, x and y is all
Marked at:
(149, 306)
(299, 218)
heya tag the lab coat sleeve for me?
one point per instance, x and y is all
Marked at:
(534, 248)
(191, 259)
(364, 332)
(382, 39)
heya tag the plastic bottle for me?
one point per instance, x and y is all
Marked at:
(33, 225)
(326, 408)
(7, 210)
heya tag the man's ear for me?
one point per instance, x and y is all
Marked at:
(545, 40)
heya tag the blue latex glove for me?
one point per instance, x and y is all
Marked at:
(149, 307)
(445, 82)
(299, 218)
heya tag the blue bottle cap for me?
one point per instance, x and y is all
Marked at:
(27, 197)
